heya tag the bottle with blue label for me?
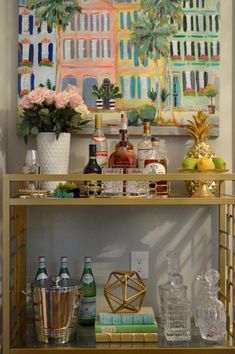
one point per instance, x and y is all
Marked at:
(88, 298)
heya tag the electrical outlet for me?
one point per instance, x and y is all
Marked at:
(139, 263)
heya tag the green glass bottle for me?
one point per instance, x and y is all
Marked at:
(41, 272)
(88, 299)
(64, 271)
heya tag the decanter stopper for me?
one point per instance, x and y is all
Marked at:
(212, 277)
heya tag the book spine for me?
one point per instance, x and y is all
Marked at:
(126, 328)
(113, 319)
(126, 337)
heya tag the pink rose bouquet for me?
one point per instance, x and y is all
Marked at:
(45, 110)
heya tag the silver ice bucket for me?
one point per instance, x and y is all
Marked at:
(56, 308)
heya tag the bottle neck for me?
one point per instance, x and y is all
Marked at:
(42, 265)
(87, 265)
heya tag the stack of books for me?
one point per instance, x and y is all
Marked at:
(127, 327)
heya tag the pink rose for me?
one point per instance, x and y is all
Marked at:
(37, 96)
(61, 100)
(49, 96)
(75, 100)
(26, 103)
(72, 90)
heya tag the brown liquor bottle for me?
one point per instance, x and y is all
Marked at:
(123, 133)
(123, 158)
(156, 164)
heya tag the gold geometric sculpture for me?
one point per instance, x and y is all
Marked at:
(124, 291)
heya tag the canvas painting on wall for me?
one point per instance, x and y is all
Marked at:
(151, 59)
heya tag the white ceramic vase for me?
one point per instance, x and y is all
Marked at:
(53, 155)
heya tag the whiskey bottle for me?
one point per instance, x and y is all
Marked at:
(156, 163)
(123, 133)
(41, 271)
(88, 299)
(123, 158)
(98, 138)
(145, 145)
(64, 271)
(92, 188)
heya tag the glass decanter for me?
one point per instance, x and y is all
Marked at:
(201, 295)
(178, 312)
(164, 289)
(212, 317)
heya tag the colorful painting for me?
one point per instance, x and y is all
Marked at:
(155, 59)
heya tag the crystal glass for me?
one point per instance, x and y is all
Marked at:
(177, 313)
(212, 316)
(112, 188)
(136, 188)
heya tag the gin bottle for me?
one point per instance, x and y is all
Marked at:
(98, 138)
(145, 145)
(88, 298)
(164, 289)
(212, 316)
(41, 272)
(177, 312)
(64, 271)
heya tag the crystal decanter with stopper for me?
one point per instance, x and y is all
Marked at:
(164, 289)
(212, 317)
(177, 313)
(201, 295)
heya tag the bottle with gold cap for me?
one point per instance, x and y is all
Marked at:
(98, 138)
(145, 145)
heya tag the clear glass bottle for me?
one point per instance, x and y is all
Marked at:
(88, 299)
(145, 145)
(64, 271)
(156, 163)
(98, 138)
(31, 166)
(177, 312)
(123, 133)
(123, 158)
(212, 316)
(41, 271)
(200, 296)
(173, 267)
(92, 188)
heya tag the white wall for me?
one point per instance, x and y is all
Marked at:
(109, 233)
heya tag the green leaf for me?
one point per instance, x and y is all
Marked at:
(34, 131)
(24, 128)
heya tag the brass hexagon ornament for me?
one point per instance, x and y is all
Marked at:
(124, 291)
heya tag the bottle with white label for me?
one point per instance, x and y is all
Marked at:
(41, 272)
(64, 271)
(156, 163)
(88, 295)
(98, 138)
(145, 145)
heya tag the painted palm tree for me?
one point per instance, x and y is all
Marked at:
(166, 9)
(57, 14)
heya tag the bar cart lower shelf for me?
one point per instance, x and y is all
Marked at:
(18, 333)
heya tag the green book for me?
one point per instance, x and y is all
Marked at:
(144, 316)
(132, 328)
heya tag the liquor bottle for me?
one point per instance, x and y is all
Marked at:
(92, 188)
(31, 166)
(123, 158)
(123, 133)
(98, 138)
(64, 271)
(41, 272)
(173, 267)
(145, 145)
(156, 163)
(88, 298)
(177, 312)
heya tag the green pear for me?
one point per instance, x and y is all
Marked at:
(219, 163)
(190, 163)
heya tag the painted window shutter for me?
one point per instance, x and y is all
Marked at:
(122, 83)
(179, 49)
(102, 22)
(51, 52)
(206, 48)
(203, 3)
(31, 24)
(97, 22)
(39, 52)
(85, 48)
(145, 63)
(91, 23)
(205, 78)
(149, 83)
(136, 15)
(218, 48)
(192, 78)
(121, 20)
(185, 49)
(192, 24)
(121, 49)
(19, 83)
(133, 84)
(72, 26)
(136, 55)
(193, 48)
(171, 49)
(20, 50)
(129, 50)
(197, 23)
(31, 53)
(204, 23)
(197, 81)
(185, 23)
(20, 24)
(191, 3)
(108, 21)
(197, 3)
(129, 23)
(32, 81)
(210, 19)
(139, 87)
(72, 49)
(184, 80)
(199, 50)
(217, 23)
(98, 48)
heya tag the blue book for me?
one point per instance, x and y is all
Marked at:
(144, 316)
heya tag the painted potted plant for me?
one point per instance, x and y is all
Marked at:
(210, 92)
(98, 92)
(164, 95)
(51, 116)
(114, 94)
